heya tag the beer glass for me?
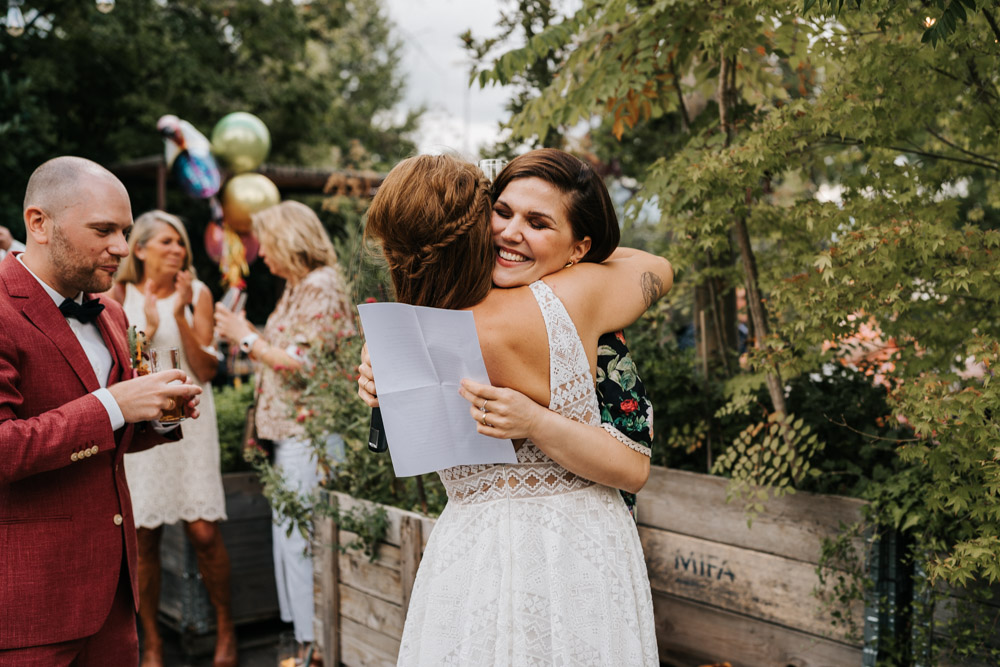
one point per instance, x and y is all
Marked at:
(162, 359)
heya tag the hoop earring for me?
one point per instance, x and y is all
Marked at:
(569, 264)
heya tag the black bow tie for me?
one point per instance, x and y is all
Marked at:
(86, 313)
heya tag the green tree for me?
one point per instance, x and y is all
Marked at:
(781, 105)
(323, 76)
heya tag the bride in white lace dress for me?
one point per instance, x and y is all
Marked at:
(538, 562)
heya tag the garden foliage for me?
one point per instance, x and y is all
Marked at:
(857, 154)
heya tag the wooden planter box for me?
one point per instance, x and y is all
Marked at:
(184, 603)
(361, 605)
(721, 591)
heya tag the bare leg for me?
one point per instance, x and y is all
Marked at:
(149, 594)
(213, 563)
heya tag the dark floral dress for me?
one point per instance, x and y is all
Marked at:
(626, 412)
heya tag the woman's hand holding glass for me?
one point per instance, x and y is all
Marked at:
(231, 326)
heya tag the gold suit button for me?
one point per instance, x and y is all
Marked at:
(95, 449)
(74, 456)
(118, 519)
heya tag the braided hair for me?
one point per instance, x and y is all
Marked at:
(432, 217)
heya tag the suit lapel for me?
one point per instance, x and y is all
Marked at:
(117, 344)
(43, 313)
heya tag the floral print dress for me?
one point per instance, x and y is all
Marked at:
(626, 412)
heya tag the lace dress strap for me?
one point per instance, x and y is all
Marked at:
(571, 386)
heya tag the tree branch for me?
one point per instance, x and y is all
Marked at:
(844, 423)
(992, 21)
(685, 117)
(959, 148)
(903, 149)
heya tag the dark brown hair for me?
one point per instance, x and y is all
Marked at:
(432, 216)
(588, 204)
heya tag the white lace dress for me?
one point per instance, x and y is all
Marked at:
(176, 481)
(528, 563)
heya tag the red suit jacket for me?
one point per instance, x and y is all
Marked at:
(65, 510)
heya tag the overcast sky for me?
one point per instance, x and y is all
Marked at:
(458, 118)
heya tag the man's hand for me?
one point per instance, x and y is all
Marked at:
(146, 398)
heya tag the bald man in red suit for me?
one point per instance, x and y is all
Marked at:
(69, 410)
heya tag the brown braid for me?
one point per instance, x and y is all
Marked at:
(432, 215)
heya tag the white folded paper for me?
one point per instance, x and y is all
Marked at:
(419, 356)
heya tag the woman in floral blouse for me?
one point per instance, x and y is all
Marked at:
(295, 247)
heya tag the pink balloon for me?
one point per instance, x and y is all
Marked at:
(251, 247)
(213, 241)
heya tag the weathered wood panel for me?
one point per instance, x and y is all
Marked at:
(326, 592)
(690, 633)
(395, 514)
(371, 611)
(371, 578)
(184, 603)
(694, 504)
(364, 647)
(387, 555)
(753, 583)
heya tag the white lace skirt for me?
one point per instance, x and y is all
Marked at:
(551, 580)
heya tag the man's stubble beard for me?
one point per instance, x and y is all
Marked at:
(75, 271)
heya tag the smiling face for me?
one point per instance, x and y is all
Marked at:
(85, 241)
(164, 253)
(532, 233)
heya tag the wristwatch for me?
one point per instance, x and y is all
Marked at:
(246, 343)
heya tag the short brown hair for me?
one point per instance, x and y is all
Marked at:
(432, 216)
(588, 204)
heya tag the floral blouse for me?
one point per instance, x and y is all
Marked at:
(298, 319)
(626, 412)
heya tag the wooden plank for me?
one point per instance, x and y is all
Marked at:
(690, 633)
(695, 504)
(371, 578)
(387, 554)
(364, 647)
(326, 587)
(411, 548)
(395, 515)
(371, 612)
(749, 582)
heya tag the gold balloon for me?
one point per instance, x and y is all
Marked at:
(241, 141)
(244, 195)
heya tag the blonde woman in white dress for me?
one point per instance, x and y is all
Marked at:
(180, 481)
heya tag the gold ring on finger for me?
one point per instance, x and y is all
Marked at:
(483, 408)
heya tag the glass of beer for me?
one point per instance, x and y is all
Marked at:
(162, 359)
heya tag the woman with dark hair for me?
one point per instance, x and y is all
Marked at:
(533, 561)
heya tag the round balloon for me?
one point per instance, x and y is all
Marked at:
(213, 241)
(244, 195)
(251, 247)
(241, 141)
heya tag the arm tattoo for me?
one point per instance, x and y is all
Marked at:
(652, 288)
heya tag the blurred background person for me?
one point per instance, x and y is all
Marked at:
(181, 481)
(8, 243)
(295, 247)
